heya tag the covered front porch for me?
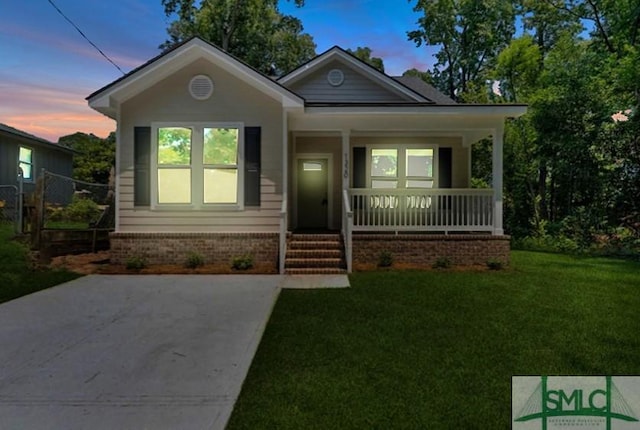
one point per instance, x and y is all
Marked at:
(392, 170)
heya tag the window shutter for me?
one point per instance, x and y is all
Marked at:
(444, 168)
(142, 162)
(359, 167)
(252, 166)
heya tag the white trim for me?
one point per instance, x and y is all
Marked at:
(501, 111)
(196, 167)
(497, 179)
(116, 185)
(315, 156)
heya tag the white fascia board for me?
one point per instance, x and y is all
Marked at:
(504, 111)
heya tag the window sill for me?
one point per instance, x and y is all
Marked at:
(194, 208)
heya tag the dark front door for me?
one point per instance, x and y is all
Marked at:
(312, 196)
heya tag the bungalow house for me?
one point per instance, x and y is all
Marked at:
(321, 170)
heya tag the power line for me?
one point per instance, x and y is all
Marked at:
(84, 36)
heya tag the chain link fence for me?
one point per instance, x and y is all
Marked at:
(67, 203)
(9, 205)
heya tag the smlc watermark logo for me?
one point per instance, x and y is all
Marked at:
(575, 402)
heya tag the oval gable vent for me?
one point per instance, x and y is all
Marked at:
(201, 87)
(335, 77)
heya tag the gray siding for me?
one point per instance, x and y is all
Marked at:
(355, 88)
(51, 159)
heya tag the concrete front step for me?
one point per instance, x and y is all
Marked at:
(314, 253)
(315, 271)
(314, 262)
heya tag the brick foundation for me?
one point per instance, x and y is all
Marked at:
(173, 248)
(423, 250)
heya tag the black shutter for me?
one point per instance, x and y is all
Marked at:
(252, 166)
(444, 168)
(141, 163)
(359, 167)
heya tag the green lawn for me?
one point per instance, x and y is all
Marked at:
(411, 350)
(17, 278)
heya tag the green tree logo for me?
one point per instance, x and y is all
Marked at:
(606, 402)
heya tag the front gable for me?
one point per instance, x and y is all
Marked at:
(109, 99)
(338, 77)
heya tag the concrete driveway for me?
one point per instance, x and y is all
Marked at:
(131, 352)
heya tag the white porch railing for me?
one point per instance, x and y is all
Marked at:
(420, 209)
(347, 228)
(283, 236)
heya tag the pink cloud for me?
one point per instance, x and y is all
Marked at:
(50, 112)
(52, 126)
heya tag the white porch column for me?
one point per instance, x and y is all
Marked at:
(498, 138)
(346, 162)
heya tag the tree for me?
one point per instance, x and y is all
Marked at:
(517, 68)
(94, 156)
(425, 76)
(253, 30)
(470, 34)
(364, 54)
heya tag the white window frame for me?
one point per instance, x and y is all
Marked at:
(32, 164)
(197, 167)
(402, 177)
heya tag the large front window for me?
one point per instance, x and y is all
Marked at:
(401, 167)
(198, 165)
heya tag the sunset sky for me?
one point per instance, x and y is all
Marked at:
(47, 69)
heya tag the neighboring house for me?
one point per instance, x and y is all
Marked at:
(32, 154)
(216, 158)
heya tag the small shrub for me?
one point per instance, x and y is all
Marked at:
(385, 259)
(442, 263)
(495, 264)
(80, 209)
(194, 260)
(135, 263)
(242, 262)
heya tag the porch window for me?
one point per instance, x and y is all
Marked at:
(199, 165)
(25, 162)
(384, 168)
(402, 167)
(419, 164)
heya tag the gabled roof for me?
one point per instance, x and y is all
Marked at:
(107, 99)
(33, 139)
(423, 88)
(366, 69)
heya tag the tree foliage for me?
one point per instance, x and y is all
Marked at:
(364, 54)
(470, 33)
(94, 156)
(572, 163)
(252, 30)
